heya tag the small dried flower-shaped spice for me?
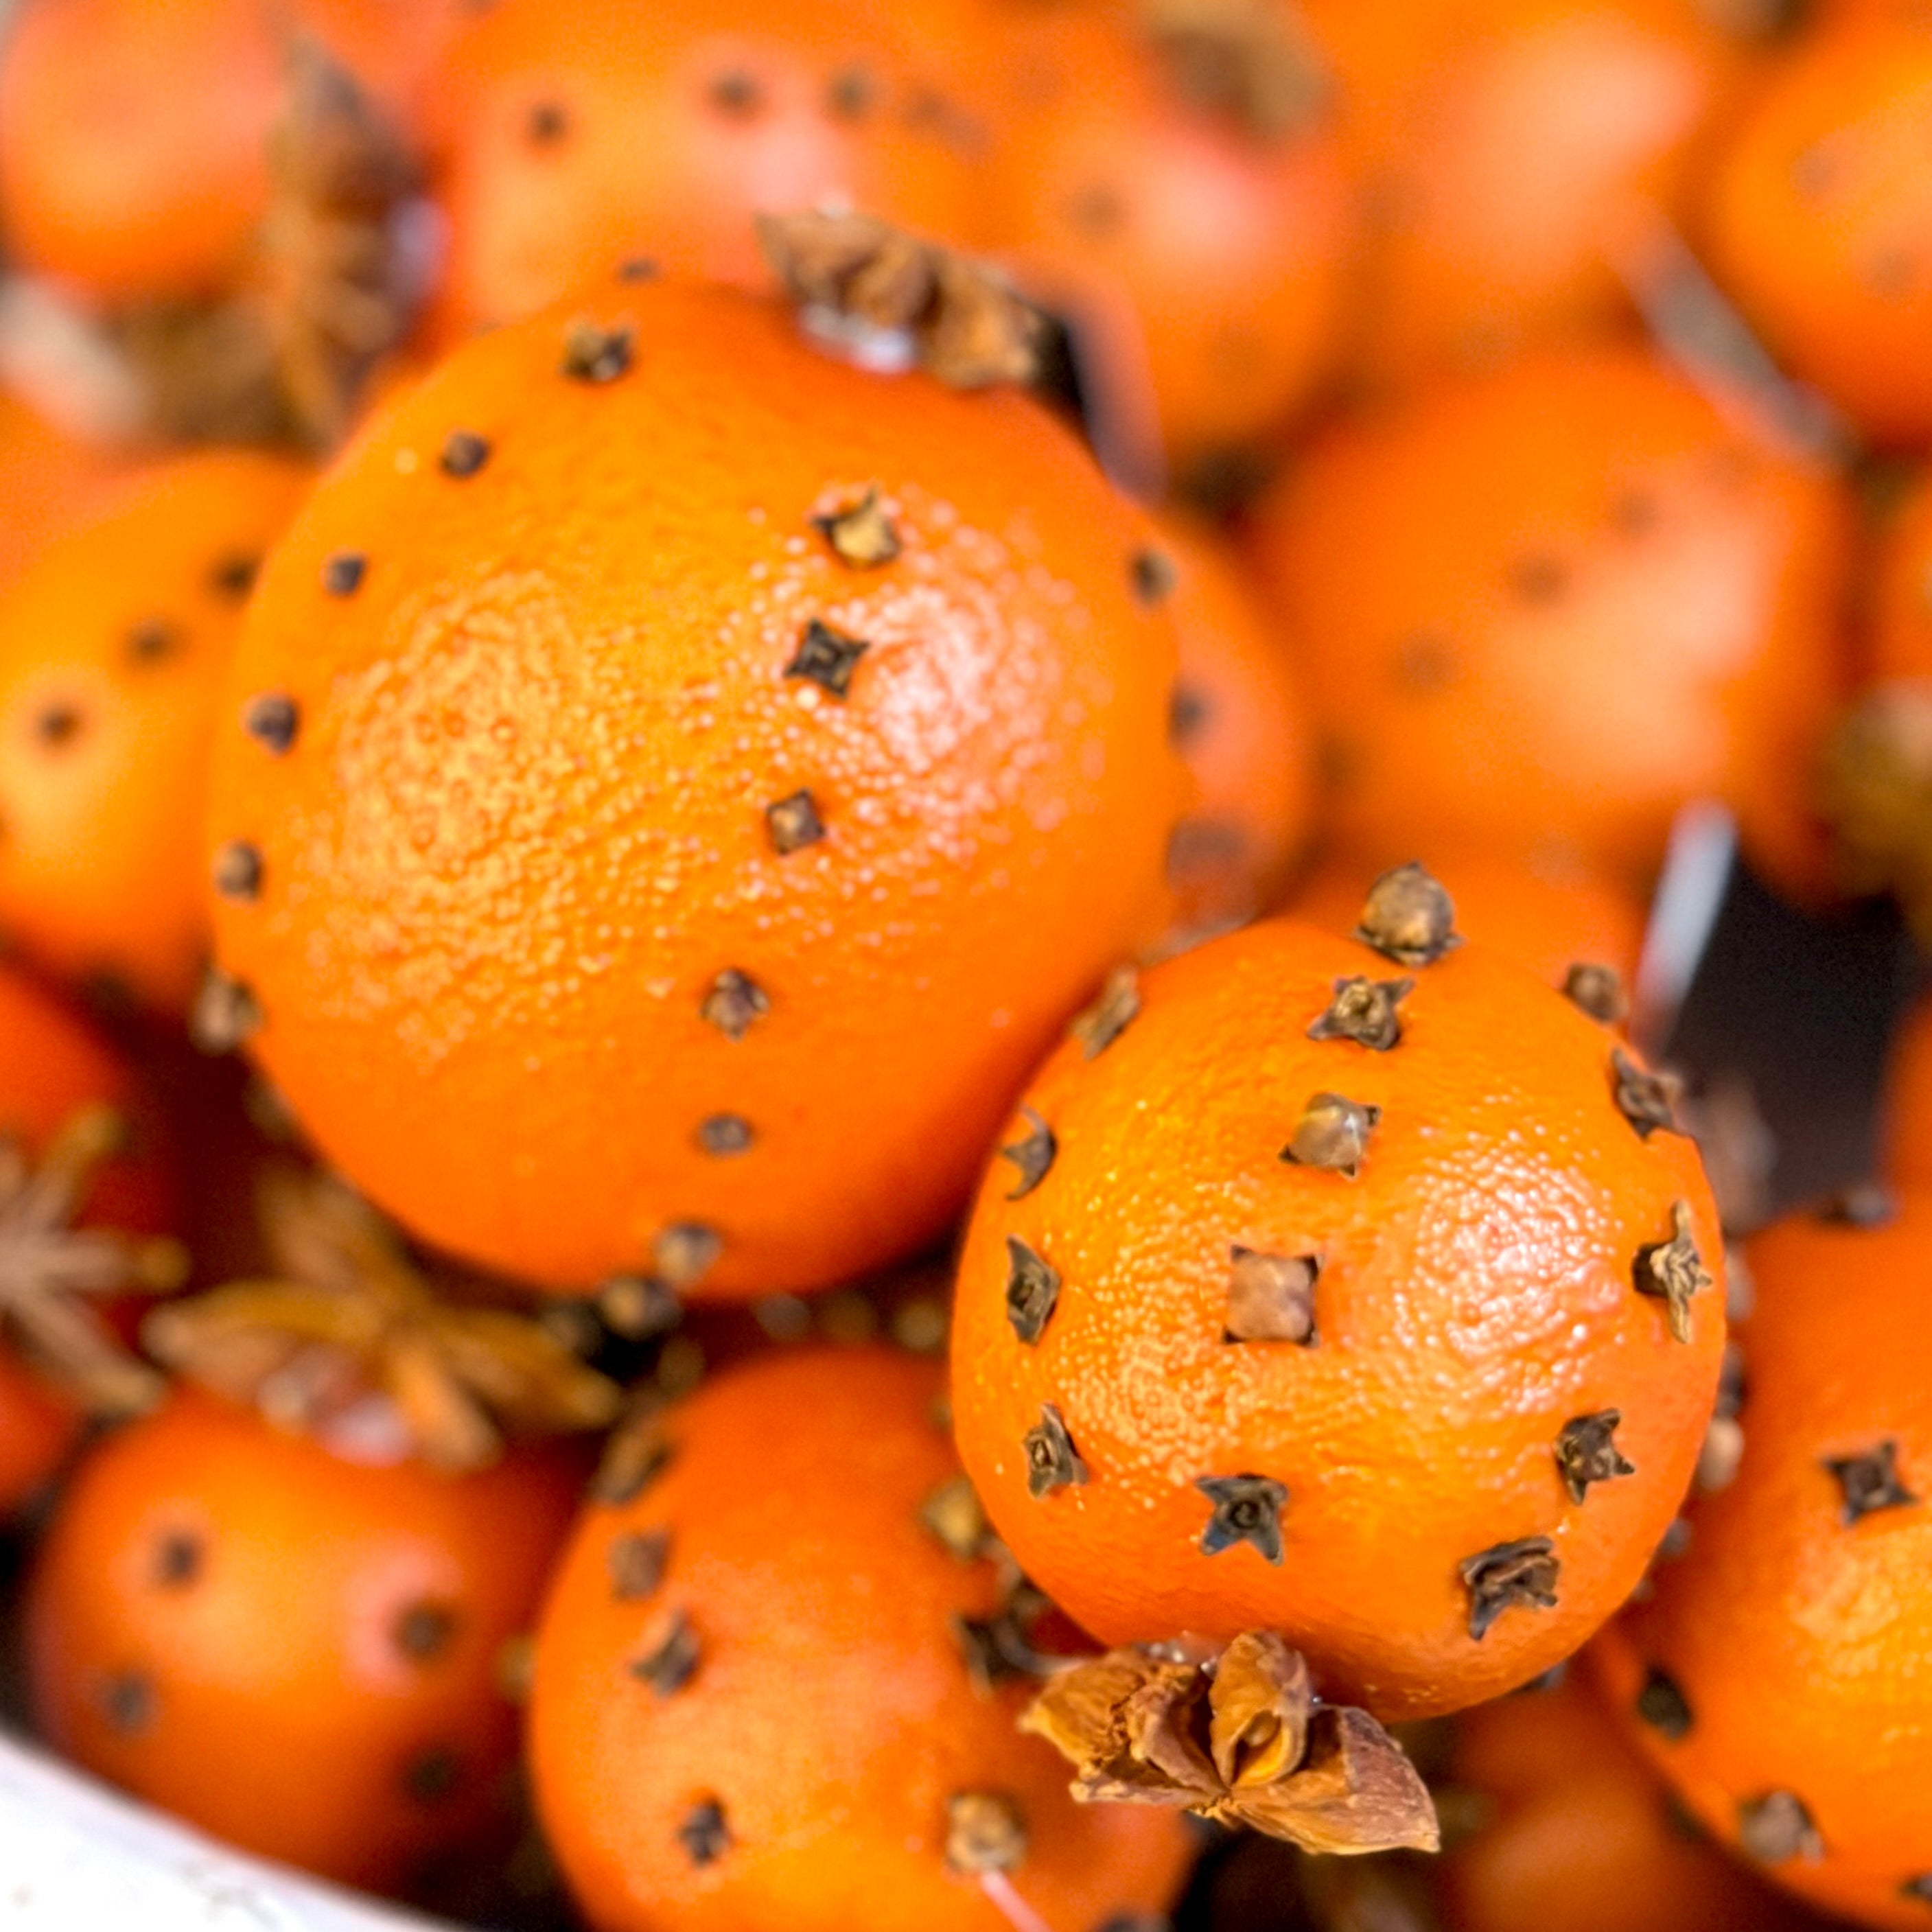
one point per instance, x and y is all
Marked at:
(860, 533)
(1236, 1737)
(685, 1252)
(703, 1833)
(1597, 991)
(857, 277)
(1519, 1575)
(669, 1663)
(1052, 1462)
(1869, 1483)
(1245, 1509)
(1110, 1015)
(1363, 1010)
(1662, 1704)
(272, 719)
(1270, 1297)
(636, 1560)
(1649, 1101)
(50, 1269)
(238, 872)
(594, 354)
(1032, 1157)
(1587, 1453)
(1409, 918)
(734, 1003)
(128, 1702)
(1674, 1272)
(639, 1307)
(1333, 1133)
(637, 1453)
(984, 1832)
(350, 1319)
(225, 1014)
(1778, 1828)
(793, 823)
(827, 657)
(1153, 575)
(1032, 1290)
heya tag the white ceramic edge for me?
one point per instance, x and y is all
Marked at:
(77, 1857)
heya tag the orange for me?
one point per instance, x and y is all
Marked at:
(1546, 918)
(576, 133)
(753, 1710)
(1818, 217)
(1373, 1300)
(1575, 1833)
(1908, 1140)
(1204, 250)
(299, 1654)
(114, 647)
(1781, 1675)
(50, 482)
(1899, 637)
(721, 723)
(1541, 643)
(1240, 723)
(134, 142)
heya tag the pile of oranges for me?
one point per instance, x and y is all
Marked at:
(833, 1088)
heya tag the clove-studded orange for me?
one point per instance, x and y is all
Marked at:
(1780, 1675)
(1366, 1291)
(1170, 176)
(1544, 610)
(1818, 216)
(1240, 722)
(114, 647)
(301, 1654)
(1549, 916)
(50, 482)
(777, 1693)
(576, 133)
(685, 779)
(85, 1201)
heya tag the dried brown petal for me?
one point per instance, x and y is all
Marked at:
(827, 657)
(637, 1559)
(1673, 1271)
(1033, 1156)
(1870, 1483)
(1597, 991)
(1110, 1015)
(1271, 1297)
(1586, 1452)
(1509, 1575)
(1354, 1791)
(1052, 1461)
(1409, 918)
(1363, 1010)
(1032, 1290)
(1259, 1709)
(670, 1663)
(986, 1831)
(1333, 1134)
(1777, 1828)
(860, 534)
(1662, 1705)
(1649, 1101)
(1247, 1509)
(733, 1002)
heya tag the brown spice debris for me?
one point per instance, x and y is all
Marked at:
(859, 278)
(50, 1269)
(1237, 1736)
(348, 1317)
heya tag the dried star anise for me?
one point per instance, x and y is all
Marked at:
(49, 1266)
(1237, 1736)
(349, 1320)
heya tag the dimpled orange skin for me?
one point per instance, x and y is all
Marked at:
(134, 142)
(1542, 610)
(1242, 727)
(523, 828)
(1577, 1835)
(1546, 918)
(285, 1715)
(1818, 218)
(831, 1715)
(1803, 1645)
(572, 136)
(1209, 264)
(1514, 162)
(125, 628)
(1475, 1293)
(51, 1065)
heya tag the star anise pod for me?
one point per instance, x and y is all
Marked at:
(49, 1267)
(1238, 1736)
(351, 1317)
